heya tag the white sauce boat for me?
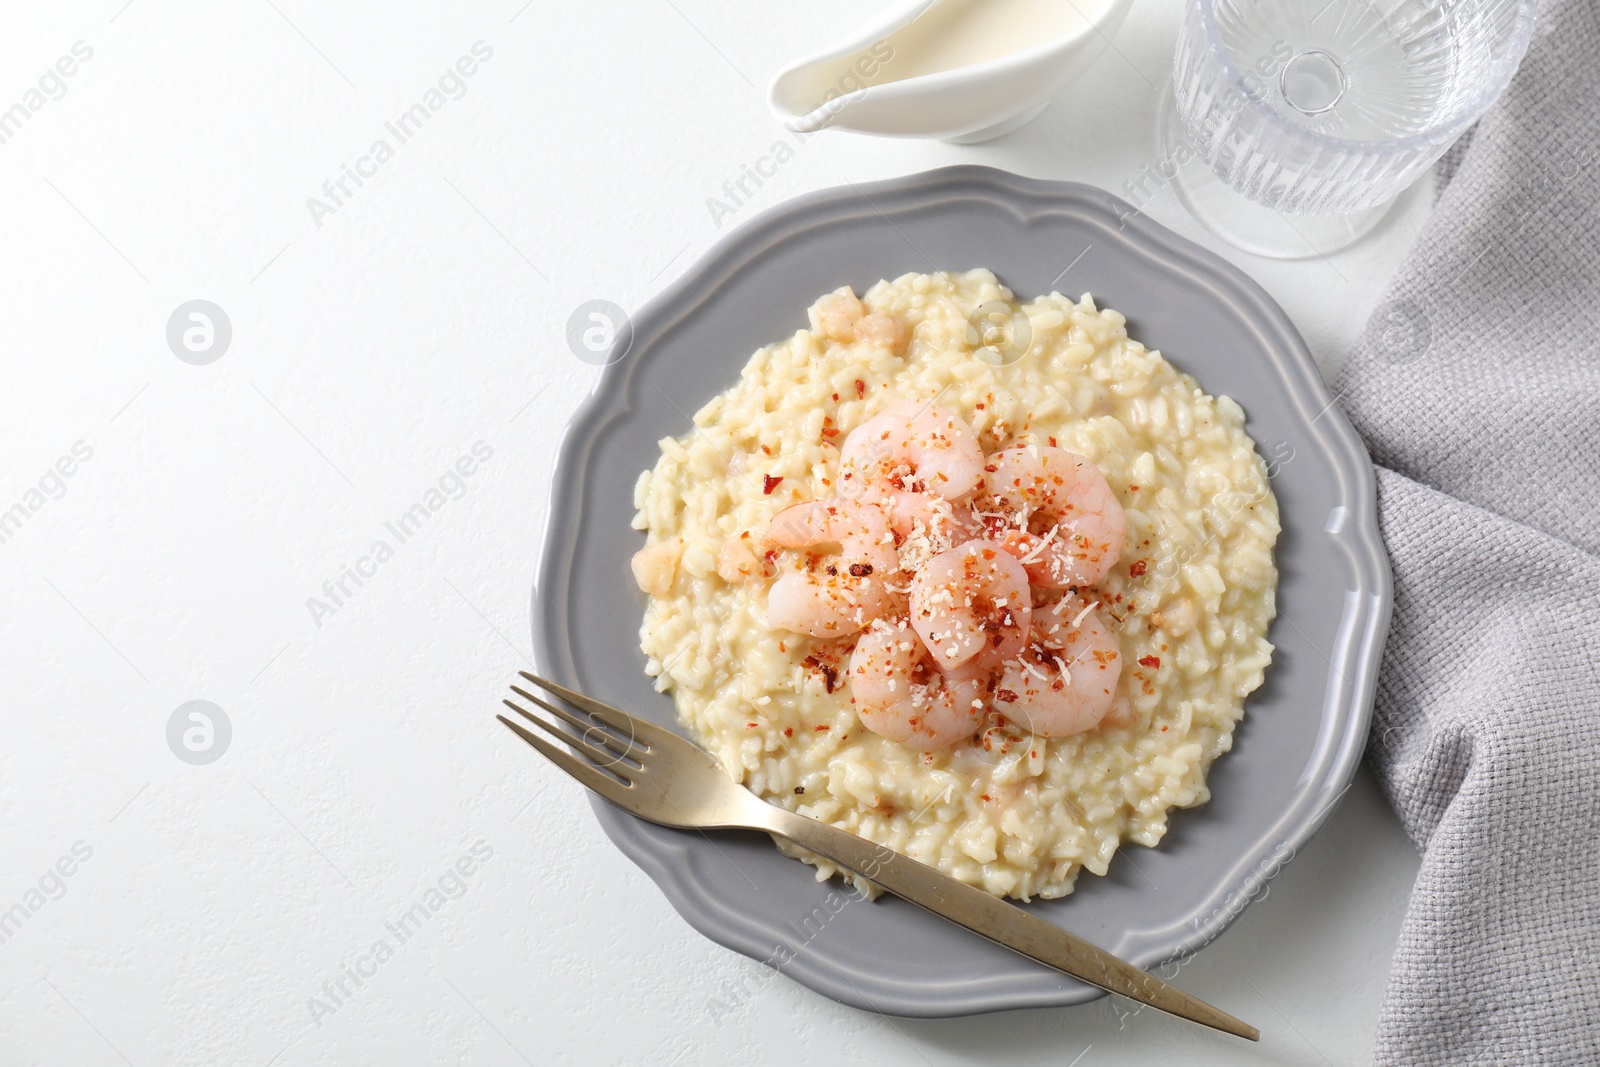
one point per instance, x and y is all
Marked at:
(962, 70)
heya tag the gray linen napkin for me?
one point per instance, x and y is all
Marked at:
(1477, 388)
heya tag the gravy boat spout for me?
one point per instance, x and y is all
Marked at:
(961, 70)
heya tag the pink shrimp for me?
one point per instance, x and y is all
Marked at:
(900, 695)
(840, 593)
(911, 446)
(1065, 679)
(1070, 525)
(970, 598)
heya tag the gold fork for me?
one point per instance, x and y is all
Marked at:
(657, 775)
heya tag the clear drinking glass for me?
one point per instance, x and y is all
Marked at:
(1320, 112)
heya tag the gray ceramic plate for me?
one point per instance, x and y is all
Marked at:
(1304, 730)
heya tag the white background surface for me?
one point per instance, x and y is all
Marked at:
(425, 315)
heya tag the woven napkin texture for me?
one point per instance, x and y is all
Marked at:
(1476, 385)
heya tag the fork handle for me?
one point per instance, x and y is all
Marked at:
(999, 921)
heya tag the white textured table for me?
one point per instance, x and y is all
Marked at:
(201, 542)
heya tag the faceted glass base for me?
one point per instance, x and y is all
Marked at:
(1242, 222)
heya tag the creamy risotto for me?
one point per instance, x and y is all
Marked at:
(1000, 788)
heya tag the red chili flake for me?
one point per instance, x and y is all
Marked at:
(781, 648)
(985, 796)
(1052, 441)
(830, 674)
(823, 727)
(769, 483)
(1133, 489)
(788, 731)
(744, 535)
(988, 553)
(979, 406)
(1163, 729)
(767, 450)
(1150, 661)
(749, 726)
(1034, 754)
(830, 432)
(835, 396)
(1006, 695)
(861, 389)
(1137, 567)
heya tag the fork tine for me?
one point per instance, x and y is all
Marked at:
(601, 783)
(621, 746)
(595, 753)
(615, 718)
